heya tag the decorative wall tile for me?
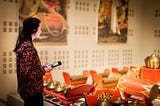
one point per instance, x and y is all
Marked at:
(68, 4)
(63, 56)
(98, 57)
(95, 9)
(130, 32)
(94, 31)
(157, 52)
(80, 59)
(43, 56)
(131, 12)
(8, 62)
(113, 57)
(157, 33)
(127, 56)
(9, 26)
(157, 13)
(82, 5)
(81, 30)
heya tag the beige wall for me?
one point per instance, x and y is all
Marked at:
(82, 51)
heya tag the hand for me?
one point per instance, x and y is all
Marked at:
(48, 69)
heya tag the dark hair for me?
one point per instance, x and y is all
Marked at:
(30, 26)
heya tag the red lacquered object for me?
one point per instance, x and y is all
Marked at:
(74, 80)
(150, 75)
(131, 86)
(47, 76)
(115, 70)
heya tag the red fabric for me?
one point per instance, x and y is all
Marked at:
(79, 90)
(98, 80)
(66, 77)
(131, 67)
(92, 72)
(115, 70)
(47, 76)
(72, 80)
(85, 73)
(133, 86)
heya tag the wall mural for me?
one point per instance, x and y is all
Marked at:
(112, 21)
(53, 15)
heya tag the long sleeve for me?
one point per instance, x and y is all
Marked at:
(30, 64)
(29, 70)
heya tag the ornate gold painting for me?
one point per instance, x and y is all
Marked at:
(53, 15)
(112, 21)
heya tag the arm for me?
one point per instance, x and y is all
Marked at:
(30, 64)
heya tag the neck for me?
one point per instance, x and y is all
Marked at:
(33, 36)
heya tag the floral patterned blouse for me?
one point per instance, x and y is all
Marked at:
(29, 70)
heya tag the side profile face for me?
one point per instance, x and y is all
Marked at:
(37, 34)
(32, 27)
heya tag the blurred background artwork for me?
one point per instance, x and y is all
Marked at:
(53, 16)
(112, 21)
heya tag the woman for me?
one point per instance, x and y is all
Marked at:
(29, 69)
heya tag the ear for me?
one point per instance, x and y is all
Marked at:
(34, 30)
